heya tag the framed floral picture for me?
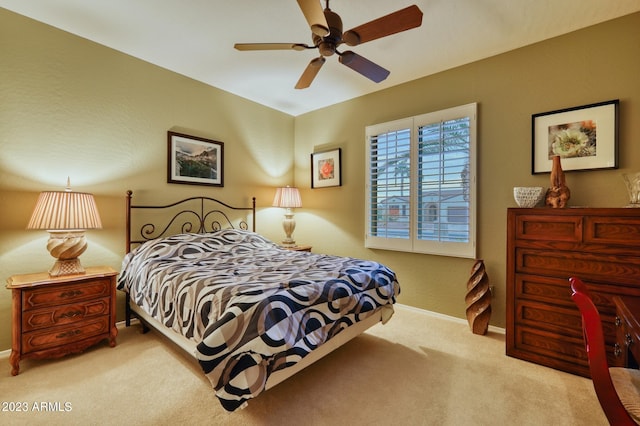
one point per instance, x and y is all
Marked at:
(194, 160)
(326, 169)
(585, 137)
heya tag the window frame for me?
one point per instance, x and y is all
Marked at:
(412, 243)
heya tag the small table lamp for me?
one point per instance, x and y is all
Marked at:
(288, 198)
(65, 215)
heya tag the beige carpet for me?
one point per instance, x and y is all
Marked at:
(419, 369)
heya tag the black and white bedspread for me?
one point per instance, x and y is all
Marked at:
(251, 307)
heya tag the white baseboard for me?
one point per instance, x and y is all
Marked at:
(446, 317)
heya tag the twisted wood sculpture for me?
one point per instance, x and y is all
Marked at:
(478, 299)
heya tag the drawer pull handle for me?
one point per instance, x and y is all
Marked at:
(628, 339)
(68, 334)
(71, 314)
(618, 321)
(616, 350)
(71, 293)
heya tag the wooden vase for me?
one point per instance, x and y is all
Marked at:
(478, 299)
(558, 193)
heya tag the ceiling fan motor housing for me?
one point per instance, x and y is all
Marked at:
(327, 45)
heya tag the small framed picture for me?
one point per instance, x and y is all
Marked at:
(585, 137)
(194, 160)
(326, 169)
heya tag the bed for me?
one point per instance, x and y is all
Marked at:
(251, 312)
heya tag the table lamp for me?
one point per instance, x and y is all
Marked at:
(65, 215)
(288, 198)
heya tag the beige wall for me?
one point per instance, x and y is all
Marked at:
(593, 65)
(72, 108)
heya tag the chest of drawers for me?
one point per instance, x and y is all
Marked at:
(55, 316)
(545, 247)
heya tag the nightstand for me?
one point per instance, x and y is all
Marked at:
(56, 316)
(297, 248)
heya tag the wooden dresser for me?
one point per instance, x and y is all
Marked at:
(544, 248)
(55, 316)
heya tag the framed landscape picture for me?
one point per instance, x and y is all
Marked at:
(585, 137)
(194, 160)
(326, 169)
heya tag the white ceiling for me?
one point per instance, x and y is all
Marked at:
(196, 37)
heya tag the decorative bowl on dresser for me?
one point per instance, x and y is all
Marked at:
(55, 316)
(545, 247)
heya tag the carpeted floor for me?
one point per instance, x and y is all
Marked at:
(419, 369)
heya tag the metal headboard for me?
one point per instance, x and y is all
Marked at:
(194, 214)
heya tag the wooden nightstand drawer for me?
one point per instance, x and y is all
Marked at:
(61, 315)
(297, 248)
(58, 336)
(64, 294)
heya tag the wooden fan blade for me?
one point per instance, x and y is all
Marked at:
(310, 73)
(372, 71)
(313, 13)
(402, 20)
(271, 46)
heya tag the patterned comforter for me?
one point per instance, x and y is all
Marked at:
(251, 307)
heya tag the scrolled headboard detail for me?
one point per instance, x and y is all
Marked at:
(194, 214)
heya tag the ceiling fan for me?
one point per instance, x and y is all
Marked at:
(327, 36)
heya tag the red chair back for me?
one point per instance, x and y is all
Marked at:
(596, 353)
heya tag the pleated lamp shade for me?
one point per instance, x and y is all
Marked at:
(287, 197)
(65, 215)
(56, 210)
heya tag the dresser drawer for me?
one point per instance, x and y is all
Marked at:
(543, 289)
(549, 349)
(65, 314)
(555, 319)
(59, 336)
(555, 291)
(566, 264)
(619, 231)
(65, 294)
(566, 353)
(548, 228)
(558, 347)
